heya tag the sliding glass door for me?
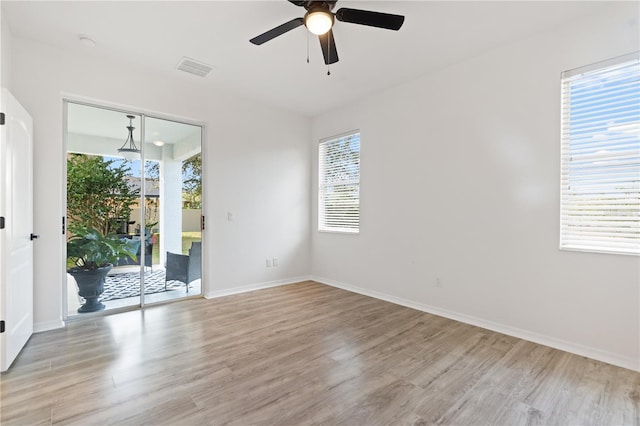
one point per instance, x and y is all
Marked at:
(134, 201)
(173, 211)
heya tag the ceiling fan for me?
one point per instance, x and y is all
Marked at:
(319, 20)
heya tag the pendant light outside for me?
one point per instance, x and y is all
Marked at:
(129, 150)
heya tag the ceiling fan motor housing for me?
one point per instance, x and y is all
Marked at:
(320, 5)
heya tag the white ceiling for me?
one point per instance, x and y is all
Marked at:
(157, 34)
(87, 120)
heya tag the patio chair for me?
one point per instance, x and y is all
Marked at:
(184, 268)
(133, 243)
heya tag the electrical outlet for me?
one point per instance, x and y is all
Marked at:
(275, 261)
(438, 282)
(268, 263)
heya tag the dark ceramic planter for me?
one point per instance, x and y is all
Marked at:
(90, 286)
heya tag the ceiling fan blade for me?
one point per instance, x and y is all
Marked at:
(328, 44)
(277, 31)
(297, 2)
(372, 19)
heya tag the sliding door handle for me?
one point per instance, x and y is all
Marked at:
(34, 237)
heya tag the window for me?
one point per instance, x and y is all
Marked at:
(600, 171)
(339, 181)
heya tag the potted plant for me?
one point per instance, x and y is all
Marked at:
(93, 255)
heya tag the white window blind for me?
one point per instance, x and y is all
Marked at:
(600, 171)
(339, 184)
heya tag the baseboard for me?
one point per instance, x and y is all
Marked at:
(574, 348)
(253, 287)
(48, 325)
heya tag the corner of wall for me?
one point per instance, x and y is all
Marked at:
(39, 327)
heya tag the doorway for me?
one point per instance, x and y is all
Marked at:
(134, 185)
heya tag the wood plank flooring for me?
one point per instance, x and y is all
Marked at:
(304, 354)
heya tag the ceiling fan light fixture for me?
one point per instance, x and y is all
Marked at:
(319, 21)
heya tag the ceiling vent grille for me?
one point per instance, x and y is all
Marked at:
(194, 67)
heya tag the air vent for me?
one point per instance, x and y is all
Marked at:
(194, 67)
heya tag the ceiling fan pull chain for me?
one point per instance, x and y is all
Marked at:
(329, 54)
(307, 46)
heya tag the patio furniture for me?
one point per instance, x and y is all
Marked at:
(133, 241)
(184, 268)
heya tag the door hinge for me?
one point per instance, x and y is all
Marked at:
(64, 226)
(2, 326)
(1, 118)
(202, 223)
(1, 222)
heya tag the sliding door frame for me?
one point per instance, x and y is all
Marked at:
(143, 114)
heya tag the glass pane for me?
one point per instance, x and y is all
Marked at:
(103, 193)
(173, 188)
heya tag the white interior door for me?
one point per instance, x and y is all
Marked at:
(16, 238)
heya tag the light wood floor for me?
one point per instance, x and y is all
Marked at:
(304, 354)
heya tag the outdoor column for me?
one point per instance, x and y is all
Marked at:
(170, 203)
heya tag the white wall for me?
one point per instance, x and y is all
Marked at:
(460, 181)
(5, 51)
(256, 160)
(265, 185)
